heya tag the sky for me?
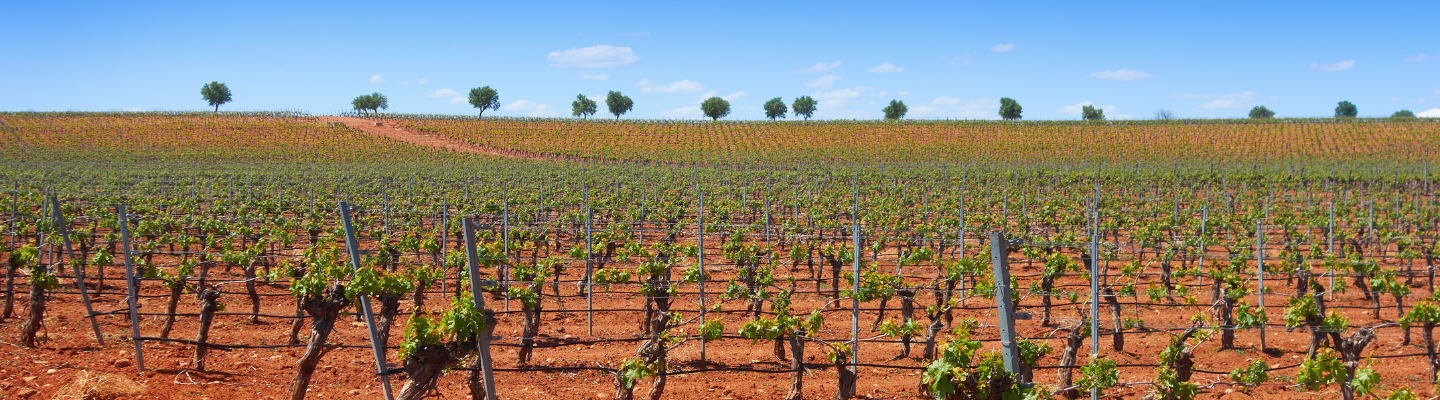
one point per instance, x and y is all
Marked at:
(956, 59)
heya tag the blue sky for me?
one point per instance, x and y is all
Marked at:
(944, 59)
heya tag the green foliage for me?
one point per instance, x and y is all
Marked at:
(1403, 114)
(1300, 308)
(484, 98)
(1031, 350)
(715, 107)
(712, 330)
(941, 374)
(1322, 370)
(892, 329)
(215, 93)
(1099, 375)
(1247, 316)
(421, 331)
(1090, 113)
(618, 103)
(1346, 109)
(775, 108)
(804, 105)
(1426, 311)
(1402, 394)
(1365, 380)
(632, 370)
(1260, 112)
(370, 103)
(1252, 374)
(463, 322)
(1009, 109)
(582, 106)
(895, 110)
(1169, 387)
(43, 280)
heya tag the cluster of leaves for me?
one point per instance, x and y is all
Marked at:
(462, 322)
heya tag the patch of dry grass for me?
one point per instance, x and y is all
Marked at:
(98, 386)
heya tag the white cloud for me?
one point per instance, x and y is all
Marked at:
(132, 109)
(530, 109)
(953, 107)
(1423, 57)
(819, 67)
(446, 92)
(684, 86)
(602, 56)
(1078, 107)
(377, 79)
(1233, 100)
(834, 103)
(1339, 66)
(1003, 48)
(1123, 74)
(903, 94)
(733, 96)
(424, 81)
(1431, 113)
(587, 76)
(825, 82)
(886, 68)
(455, 97)
(958, 61)
(1437, 91)
(644, 33)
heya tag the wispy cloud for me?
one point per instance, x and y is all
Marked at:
(835, 103)
(641, 33)
(455, 97)
(1423, 57)
(825, 82)
(1078, 107)
(886, 68)
(954, 107)
(587, 76)
(530, 109)
(424, 81)
(1123, 74)
(1339, 66)
(602, 56)
(1233, 100)
(958, 61)
(819, 67)
(684, 86)
(1003, 48)
(377, 79)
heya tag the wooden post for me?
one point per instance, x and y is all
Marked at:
(131, 289)
(999, 260)
(1260, 272)
(353, 248)
(64, 230)
(472, 263)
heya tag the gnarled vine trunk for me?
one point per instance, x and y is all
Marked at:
(209, 297)
(324, 311)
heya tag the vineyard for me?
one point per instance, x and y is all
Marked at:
(277, 256)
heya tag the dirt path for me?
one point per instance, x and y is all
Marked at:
(387, 128)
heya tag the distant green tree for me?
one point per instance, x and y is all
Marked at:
(370, 103)
(1009, 108)
(775, 108)
(1164, 115)
(1260, 112)
(896, 110)
(618, 103)
(1346, 109)
(1403, 114)
(484, 98)
(715, 107)
(215, 93)
(582, 106)
(803, 105)
(1090, 113)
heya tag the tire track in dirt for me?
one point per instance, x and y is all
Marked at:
(387, 128)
